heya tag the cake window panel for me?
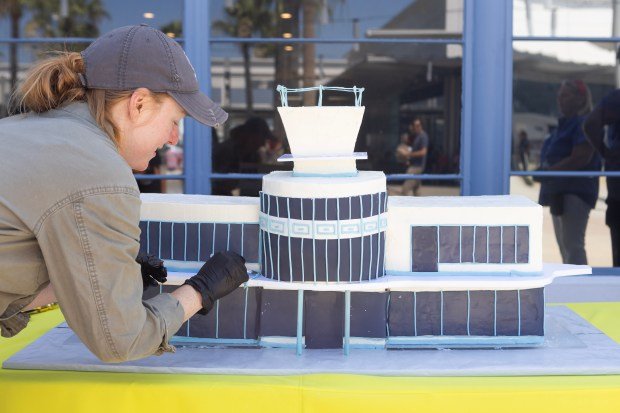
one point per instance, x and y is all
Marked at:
(191, 237)
(467, 244)
(165, 240)
(221, 237)
(480, 244)
(294, 208)
(401, 314)
(507, 313)
(143, 236)
(424, 248)
(368, 314)
(153, 237)
(455, 312)
(495, 245)
(523, 244)
(449, 245)
(178, 241)
(250, 242)
(234, 241)
(366, 205)
(319, 209)
(324, 317)
(508, 244)
(355, 207)
(531, 309)
(331, 206)
(482, 313)
(344, 208)
(428, 313)
(281, 207)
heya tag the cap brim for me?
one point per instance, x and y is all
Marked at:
(200, 107)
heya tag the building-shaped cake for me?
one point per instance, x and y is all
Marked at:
(336, 264)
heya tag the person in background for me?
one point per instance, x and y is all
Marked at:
(152, 185)
(567, 149)
(524, 150)
(69, 203)
(413, 150)
(606, 115)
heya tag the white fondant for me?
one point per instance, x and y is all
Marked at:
(199, 208)
(422, 282)
(405, 212)
(284, 184)
(322, 130)
(327, 167)
(333, 229)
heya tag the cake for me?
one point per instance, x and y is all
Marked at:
(335, 263)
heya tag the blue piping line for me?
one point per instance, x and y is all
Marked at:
(519, 310)
(350, 248)
(326, 254)
(378, 237)
(370, 242)
(468, 311)
(338, 226)
(313, 241)
(300, 319)
(501, 244)
(290, 252)
(159, 253)
(362, 238)
(185, 249)
(228, 238)
(245, 311)
(148, 237)
(269, 233)
(347, 321)
(441, 315)
(213, 239)
(415, 314)
(278, 244)
(242, 233)
(495, 314)
(301, 252)
(217, 319)
(172, 240)
(199, 239)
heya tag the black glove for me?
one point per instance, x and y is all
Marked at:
(219, 276)
(152, 268)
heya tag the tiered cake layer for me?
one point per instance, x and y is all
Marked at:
(329, 229)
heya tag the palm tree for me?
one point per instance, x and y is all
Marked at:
(244, 19)
(82, 19)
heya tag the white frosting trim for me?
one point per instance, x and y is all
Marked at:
(199, 208)
(284, 184)
(423, 282)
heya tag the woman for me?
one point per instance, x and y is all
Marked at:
(567, 149)
(69, 205)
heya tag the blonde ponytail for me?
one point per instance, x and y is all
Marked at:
(55, 82)
(52, 83)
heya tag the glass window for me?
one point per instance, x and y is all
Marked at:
(556, 86)
(407, 86)
(336, 18)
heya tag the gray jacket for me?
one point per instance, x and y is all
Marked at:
(69, 214)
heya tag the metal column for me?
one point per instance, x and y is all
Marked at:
(197, 137)
(487, 97)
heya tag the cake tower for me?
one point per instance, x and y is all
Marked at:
(335, 264)
(325, 221)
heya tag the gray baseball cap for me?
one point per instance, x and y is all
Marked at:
(141, 56)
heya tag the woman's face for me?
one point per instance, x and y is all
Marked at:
(569, 103)
(151, 125)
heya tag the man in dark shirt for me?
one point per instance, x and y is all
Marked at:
(607, 114)
(414, 151)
